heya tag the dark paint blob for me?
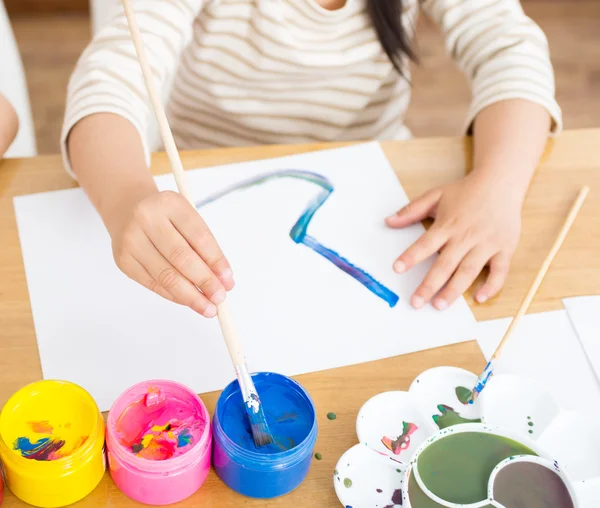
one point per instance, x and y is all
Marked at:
(318, 456)
(397, 497)
(331, 416)
(457, 467)
(528, 484)
(137, 448)
(379, 491)
(347, 483)
(530, 424)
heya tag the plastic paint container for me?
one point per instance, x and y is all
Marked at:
(279, 468)
(159, 442)
(484, 467)
(52, 444)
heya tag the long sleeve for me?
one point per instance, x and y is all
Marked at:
(503, 53)
(108, 78)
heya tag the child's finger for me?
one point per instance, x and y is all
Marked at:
(196, 232)
(178, 252)
(428, 244)
(499, 266)
(135, 271)
(468, 270)
(167, 276)
(417, 210)
(443, 268)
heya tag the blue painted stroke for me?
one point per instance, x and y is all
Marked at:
(298, 232)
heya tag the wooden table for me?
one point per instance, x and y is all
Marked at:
(570, 162)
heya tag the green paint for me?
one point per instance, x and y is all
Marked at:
(398, 470)
(457, 467)
(137, 448)
(335, 472)
(419, 499)
(464, 395)
(530, 431)
(530, 424)
(450, 417)
(331, 416)
(347, 483)
(318, 456)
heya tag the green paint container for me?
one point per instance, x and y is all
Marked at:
(466, 466)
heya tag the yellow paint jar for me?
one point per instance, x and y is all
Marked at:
(52, 443)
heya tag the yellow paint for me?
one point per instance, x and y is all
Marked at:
(146, 440)
(74, 417)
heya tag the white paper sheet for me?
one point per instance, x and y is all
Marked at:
(546, 348)
(296, 311)
(584, 312)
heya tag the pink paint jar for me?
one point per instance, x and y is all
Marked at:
(159, 440)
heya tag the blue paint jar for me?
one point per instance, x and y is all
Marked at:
(274, 470)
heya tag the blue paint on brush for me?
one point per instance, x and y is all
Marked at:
(298, 233)
(482, 381)
(275, 469)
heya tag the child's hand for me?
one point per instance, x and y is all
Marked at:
(9, 125)
(166, 246)
(477, 221)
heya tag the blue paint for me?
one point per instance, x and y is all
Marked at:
(298, 233)
(278, 468)
(26, 447)
(482, 381)
(184, 439)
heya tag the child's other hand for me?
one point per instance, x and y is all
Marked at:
(166, 246)
(477, 221)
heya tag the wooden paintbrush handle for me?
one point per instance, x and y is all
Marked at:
(544, 268)
(223, 313)
(159, 111)
(232, 340)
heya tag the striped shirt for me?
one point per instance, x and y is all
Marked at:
(250, 72)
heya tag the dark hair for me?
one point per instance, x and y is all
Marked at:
(386, 16)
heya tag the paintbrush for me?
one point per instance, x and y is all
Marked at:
(488, 372)
(258, 423)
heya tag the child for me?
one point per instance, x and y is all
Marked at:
(9, 125)
(248, 72)
(17, 138)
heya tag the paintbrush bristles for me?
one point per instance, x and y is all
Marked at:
(489, 370)
(258, 421)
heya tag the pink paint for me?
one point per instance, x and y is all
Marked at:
(159, 442)
(157, 427)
